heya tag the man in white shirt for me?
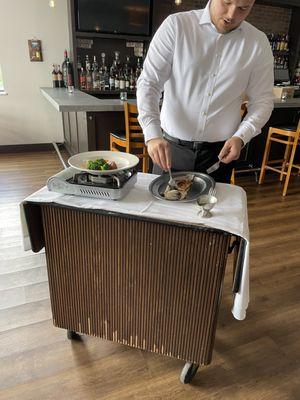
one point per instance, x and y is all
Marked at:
(205, 61)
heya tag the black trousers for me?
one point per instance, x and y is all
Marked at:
(197, 158)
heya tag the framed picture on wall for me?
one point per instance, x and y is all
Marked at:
(35, 50)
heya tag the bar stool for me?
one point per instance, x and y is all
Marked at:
(289, 136)
(132, 139)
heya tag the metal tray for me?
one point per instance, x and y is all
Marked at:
(202, 184)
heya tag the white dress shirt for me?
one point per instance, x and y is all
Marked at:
(204, 75)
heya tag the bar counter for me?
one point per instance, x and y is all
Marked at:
(83, 102)
(79, 101)
(87, 122)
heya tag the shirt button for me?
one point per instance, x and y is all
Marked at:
(209, 94)
(204, 113)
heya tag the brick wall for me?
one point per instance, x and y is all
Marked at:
(266, 18)
(270, 19)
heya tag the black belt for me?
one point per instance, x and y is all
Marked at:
(190, 144)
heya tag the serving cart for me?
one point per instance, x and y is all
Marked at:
(148, 283)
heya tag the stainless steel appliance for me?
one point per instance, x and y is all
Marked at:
(109, 187)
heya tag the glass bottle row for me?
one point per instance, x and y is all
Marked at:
(95, 76)
(279, 41)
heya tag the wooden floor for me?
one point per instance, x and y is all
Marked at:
(258, 358)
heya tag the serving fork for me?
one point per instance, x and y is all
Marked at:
(213, 167)
(172, 183)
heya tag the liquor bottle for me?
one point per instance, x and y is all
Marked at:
(131, 80)
(104, 78)
(127, 82)
(60, 78)
(79, 64)
(117, 60)
(112, 74)
(87, 63)
(89, 80)
(282, 43)
(122, 79)
(127, 66)
(95, 74)
(139, 68)
(54, 77)
(70, 80)
(111, 79)
(126, 71)
(117, 80)
(64, 68)
(286, 48)
(278, 44)
(95, 65)
(82, 79)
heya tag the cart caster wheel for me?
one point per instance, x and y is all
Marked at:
(72, 335)
(188, 372)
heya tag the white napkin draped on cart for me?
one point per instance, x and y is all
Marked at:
(230, 215)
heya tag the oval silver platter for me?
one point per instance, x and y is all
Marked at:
(202, 184)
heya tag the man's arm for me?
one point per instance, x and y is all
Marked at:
(259, 107)
(260, 95)
(156, 71)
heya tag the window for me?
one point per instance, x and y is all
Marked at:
(2, 91)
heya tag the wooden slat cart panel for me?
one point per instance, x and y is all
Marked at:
(144, 283)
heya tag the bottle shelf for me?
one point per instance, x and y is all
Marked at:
(281, 52)
(108, 92)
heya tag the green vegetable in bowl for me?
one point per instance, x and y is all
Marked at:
(105, 167)
(101, 165)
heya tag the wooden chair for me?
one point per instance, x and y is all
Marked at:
(132, 141)
(243, 113)
(289, 136)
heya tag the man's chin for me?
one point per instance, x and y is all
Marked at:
(222, 31)
(224, 28)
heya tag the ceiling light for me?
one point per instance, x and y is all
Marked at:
(51, 3)
(178, 2)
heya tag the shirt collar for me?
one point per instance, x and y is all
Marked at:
(204, 18)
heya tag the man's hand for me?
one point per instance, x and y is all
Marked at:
(159, 151)
(231, 150)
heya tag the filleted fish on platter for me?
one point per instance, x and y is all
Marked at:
(183, 185)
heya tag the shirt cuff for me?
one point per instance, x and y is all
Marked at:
(244, 133)
(152, 131)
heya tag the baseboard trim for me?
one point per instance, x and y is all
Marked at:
(23, 148)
